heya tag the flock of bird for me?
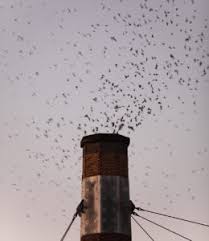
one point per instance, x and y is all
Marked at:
(137, 84)
(145, 54)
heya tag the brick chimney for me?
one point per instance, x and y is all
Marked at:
(105, 188)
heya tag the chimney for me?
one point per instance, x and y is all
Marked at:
(105, 188)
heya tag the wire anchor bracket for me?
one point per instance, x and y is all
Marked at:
(79, 211)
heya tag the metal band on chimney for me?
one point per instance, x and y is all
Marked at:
(105, 188)
(106, 237)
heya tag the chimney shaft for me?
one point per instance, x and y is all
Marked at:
(105, 188)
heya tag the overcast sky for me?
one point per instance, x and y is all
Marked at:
(71, 68)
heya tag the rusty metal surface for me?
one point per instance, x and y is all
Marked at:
(115, 207)
(106, 237)
(90, 220)
(109, 158)
(107, 202)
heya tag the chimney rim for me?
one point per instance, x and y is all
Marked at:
(104, 137)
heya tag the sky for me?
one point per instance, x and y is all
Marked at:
(73, 68)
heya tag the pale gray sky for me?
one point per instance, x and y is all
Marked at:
(53, 55)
